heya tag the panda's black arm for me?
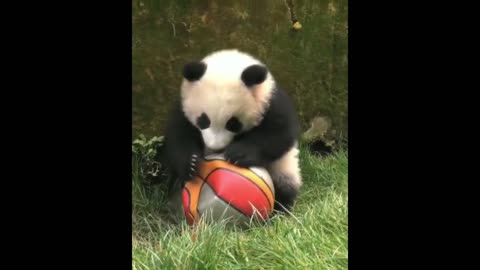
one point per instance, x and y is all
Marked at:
(270, 140)
(182, 141)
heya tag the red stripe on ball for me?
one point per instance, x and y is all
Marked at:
(239, 191)
(186, 206)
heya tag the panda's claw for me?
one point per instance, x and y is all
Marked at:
(193, 166)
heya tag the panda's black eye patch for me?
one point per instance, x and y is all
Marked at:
(233, 125)
(203, 121)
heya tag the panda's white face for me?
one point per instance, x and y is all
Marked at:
(219, 103)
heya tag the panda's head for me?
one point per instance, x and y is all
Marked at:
(225, 94)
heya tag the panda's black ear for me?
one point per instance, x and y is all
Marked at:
(254, 74)
(193, 71)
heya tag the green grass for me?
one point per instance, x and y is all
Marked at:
(315, 237)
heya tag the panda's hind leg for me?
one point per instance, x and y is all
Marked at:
(287, 180)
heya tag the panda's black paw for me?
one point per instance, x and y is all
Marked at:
(243, 155)
(194, 161)
(189, 168)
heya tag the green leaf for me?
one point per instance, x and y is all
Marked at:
(156, 139)
(150, 153)
(139, 142)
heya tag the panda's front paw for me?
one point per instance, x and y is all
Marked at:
(242, 155)
(194, 161)
(189, 168)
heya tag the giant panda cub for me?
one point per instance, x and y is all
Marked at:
(231, 103)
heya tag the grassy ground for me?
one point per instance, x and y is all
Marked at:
(314, 238)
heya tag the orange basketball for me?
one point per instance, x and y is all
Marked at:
(225, 191)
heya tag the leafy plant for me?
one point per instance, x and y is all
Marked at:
(147, 154)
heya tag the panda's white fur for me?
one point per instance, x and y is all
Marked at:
(287, 168)
(219, 91)
(221, 94)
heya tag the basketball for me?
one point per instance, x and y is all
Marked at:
(223, 191)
